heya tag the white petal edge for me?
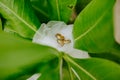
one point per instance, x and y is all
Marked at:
(46, 36)
(34, 76)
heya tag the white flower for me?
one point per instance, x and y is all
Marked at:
(58, 35)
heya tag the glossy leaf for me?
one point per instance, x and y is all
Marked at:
(19, 16)
(53, 9)
(20, 57)
(94, 69)
(93, 28)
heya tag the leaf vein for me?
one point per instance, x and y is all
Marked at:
(91, 28)
(80, 67)
(58, 9)
(41, 11)
(18, 17)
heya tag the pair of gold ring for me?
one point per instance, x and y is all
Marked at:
(61, 39)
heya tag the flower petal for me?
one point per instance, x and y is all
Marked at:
(46, 35)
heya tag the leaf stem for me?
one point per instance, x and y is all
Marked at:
(58, 10)
(80, 67)
(61, 65)
(71, 76)
(75, 73)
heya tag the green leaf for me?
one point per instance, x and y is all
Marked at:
(50, 69)
(113, 55)
(81, 4)
(67, 73)
(19, 16)
(53, 9)
(93, 28)
(0, 25)
(94, 69)
(110, 56)
(41, 9)
(19, 57)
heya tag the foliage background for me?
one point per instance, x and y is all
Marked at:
(93, 32)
